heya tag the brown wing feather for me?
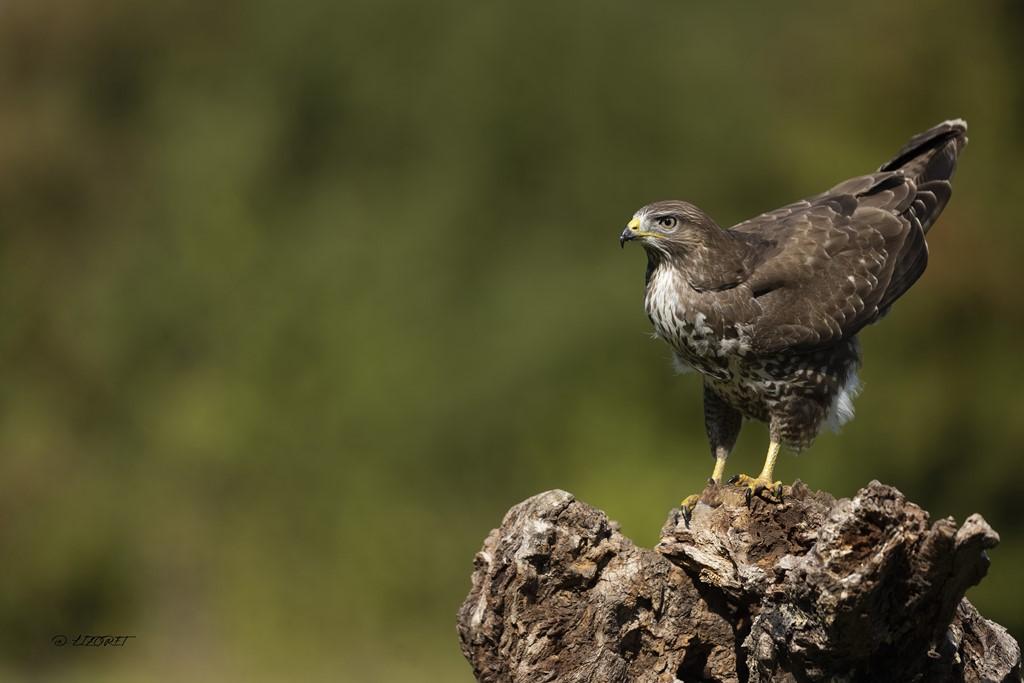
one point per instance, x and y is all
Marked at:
(824, 267)
(827, 277)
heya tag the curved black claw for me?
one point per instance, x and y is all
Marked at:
(754, 486)
(686, 508)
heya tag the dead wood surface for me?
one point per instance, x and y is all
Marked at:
(814, 589)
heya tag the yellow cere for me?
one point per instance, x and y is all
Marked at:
(634, 225)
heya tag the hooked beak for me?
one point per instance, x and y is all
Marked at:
(631, 232)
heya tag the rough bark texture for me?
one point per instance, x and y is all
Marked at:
(813, 589)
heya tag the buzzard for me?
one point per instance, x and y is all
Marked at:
(768, 311)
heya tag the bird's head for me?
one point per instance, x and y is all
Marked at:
(668, 227)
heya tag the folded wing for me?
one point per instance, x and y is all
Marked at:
(826, 266)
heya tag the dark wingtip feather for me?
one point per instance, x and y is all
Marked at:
(931, 155)
(930, 160)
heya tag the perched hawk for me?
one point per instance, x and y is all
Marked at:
(768, 311)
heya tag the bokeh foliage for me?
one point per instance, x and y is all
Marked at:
(297, 298)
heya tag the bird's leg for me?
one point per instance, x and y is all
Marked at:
(763, 481)
(716, 475)
(722, 423)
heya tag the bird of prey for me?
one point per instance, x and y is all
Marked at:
(768, 311)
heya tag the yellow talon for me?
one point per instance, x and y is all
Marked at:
(690, 502)
(756, 485)
(686, 507)
(762, 482)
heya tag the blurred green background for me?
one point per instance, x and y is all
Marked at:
(296, 299)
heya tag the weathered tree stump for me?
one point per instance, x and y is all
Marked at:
(813, 589)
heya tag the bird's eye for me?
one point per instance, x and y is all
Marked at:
(667, 222)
